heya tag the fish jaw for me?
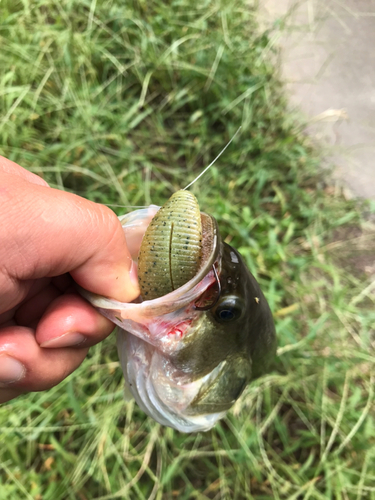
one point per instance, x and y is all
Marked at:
(160, 390)
(159, 320)
(154, 321)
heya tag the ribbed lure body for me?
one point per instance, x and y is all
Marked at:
(171, 250)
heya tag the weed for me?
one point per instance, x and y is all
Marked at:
(123, 103)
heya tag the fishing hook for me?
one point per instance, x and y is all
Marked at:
(210, 306)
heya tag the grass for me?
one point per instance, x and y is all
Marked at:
(123, 103)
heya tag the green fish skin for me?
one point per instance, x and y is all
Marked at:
(238, 331)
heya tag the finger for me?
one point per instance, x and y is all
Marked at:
(71, 321)
(10, 167)
(8, 394)
(7, 316)
(48, 232)
(33, 309)
(63, 282)
(36, 286)
(25, 366)
(31, 291)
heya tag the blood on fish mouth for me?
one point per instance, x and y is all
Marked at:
(180, 328)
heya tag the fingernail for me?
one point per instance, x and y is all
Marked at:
(67, 340)
(129, 286)
(124, 284)
(11, 370)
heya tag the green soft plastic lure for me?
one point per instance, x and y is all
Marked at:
(171, 250)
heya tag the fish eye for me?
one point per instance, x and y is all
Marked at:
(229, 309)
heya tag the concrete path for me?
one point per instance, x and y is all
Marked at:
(328, 63)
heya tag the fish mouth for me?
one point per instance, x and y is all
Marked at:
(176, 300)
(191, 290)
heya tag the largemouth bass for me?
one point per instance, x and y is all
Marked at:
(189, 352)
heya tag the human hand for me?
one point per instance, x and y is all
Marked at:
(48, 237)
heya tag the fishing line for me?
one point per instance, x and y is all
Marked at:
(200, 175)
(124, 206)
(210, 165)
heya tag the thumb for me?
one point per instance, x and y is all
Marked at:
(47, 232)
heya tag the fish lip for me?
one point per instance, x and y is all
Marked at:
(177, 299)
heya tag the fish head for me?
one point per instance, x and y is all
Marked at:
(188, 356)
(237, 334)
